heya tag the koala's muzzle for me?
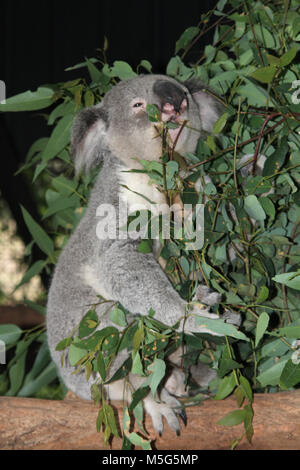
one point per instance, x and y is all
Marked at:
(169, 94)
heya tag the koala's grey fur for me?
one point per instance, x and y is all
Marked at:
(117, 133)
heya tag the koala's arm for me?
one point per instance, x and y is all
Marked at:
(137, 281)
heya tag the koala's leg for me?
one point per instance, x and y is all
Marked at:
(166, 406)
(76, 382)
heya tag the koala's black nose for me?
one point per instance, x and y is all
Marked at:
(170, 93)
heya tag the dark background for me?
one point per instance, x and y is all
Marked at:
(39, 39)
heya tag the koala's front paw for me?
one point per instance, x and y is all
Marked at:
(231, 317)
(175, 383)
(207, 296)
(169, 407)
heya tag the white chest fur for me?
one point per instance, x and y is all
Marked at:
(136, 190)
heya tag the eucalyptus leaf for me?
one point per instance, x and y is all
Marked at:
(41, 238)
(9, 333)
(29, 100)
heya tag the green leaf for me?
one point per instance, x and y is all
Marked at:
(29, 100)
(109, 412)
(220, 327)
(275, 161)
(96, 396)
(226, 387)
(289, 56)
(274, 348)
(16, 375)
(100, 419)
(257, 185)
(138, 395)
(264, 36)
(158, 371)
(126, 420)
(60, 204)
(239, 395)
(290, 375)
(227, 364)
(268, 206)
(118, 317)
(290, 331)
(187, 36)
(233, 418)
(10, 334)
(110, 342)
(35, 269)
(44, 378)
(220, 124)
(291, 279)
(137, 366)
(40, 237)
(59, 139)
(253, 207)
(92, 341)
(41, 361)
(145, 246)
(262, 295)
(139, 441)
(146, 65)
(155, 346)
(138, 413)
(246, 388)
(94, 72)
(138, 338)
(75, 354)
(262, 325)
(170, 249)
(122, 70)
(86, 327)
(122, 371)
(248, 422)
(101, 368)
(38, 308)
(272, 375)
(63, 344)
(265, 74)
(153, 113)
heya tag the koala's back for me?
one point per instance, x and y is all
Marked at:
(72, 292)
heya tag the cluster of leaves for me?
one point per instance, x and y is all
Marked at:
(251, 245)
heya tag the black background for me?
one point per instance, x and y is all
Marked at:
(39, 39)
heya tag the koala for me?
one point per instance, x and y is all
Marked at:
(117, 134)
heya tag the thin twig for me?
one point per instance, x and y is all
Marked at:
(260, 135)
(229, 149)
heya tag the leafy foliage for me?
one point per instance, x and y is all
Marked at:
(251, 246)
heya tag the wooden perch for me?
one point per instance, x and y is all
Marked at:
(21, 315)
(29, 423)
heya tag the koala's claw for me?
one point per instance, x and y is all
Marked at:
(182, 414)
(169, 408)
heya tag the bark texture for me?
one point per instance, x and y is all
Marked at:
(28, 423)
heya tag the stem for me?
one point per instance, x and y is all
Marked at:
(235, 148)
(260, 135)
(230, 355)
(286, 254)
(254, 36)
(229, 149)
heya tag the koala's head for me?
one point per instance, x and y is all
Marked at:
(120, 123)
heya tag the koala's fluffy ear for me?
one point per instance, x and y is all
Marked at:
(88, 137)
(209, 105)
